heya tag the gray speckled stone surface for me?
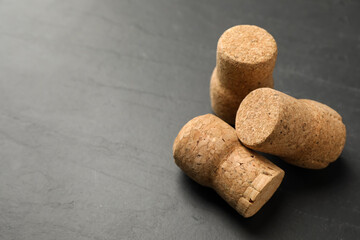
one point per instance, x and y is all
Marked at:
(92, 94)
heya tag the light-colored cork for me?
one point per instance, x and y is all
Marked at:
(225, 101)
(245, 61)
(303, 132)
(208, 151)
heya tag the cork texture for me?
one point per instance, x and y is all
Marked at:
(208, 150)
(225, 101)
(303, 132)
(245, 60)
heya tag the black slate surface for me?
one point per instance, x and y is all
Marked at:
(92, 94)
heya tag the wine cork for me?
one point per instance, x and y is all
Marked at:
(225, 101)
(303, 132)
(245, 60)
(208, 151)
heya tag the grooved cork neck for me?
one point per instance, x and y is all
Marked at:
(257, 117)
(247, 44)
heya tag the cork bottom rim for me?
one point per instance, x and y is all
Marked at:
(260, 191)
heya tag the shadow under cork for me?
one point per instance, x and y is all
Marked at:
(209, 199)
(306, 180)
(297, 182)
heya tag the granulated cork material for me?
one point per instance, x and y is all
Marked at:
(303, 132)
(225, 101)
(245, 61)
(208, 151)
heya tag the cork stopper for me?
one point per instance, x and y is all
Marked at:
(208, 151)
(303, 132)
(245, 60)
(225, 101)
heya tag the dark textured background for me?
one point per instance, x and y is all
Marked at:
(92, 94)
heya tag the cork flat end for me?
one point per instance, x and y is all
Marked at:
(258, 193)
(257, 117)
(248, 44)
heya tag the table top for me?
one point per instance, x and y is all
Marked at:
(93, 94)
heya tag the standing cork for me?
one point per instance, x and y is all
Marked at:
(245, 61)
(208, 151)
(303, 132)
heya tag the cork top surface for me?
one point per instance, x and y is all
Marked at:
(247, 44)
(257, 116)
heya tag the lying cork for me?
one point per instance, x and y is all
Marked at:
(303, 132)
(245, 61)
(208, 151)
